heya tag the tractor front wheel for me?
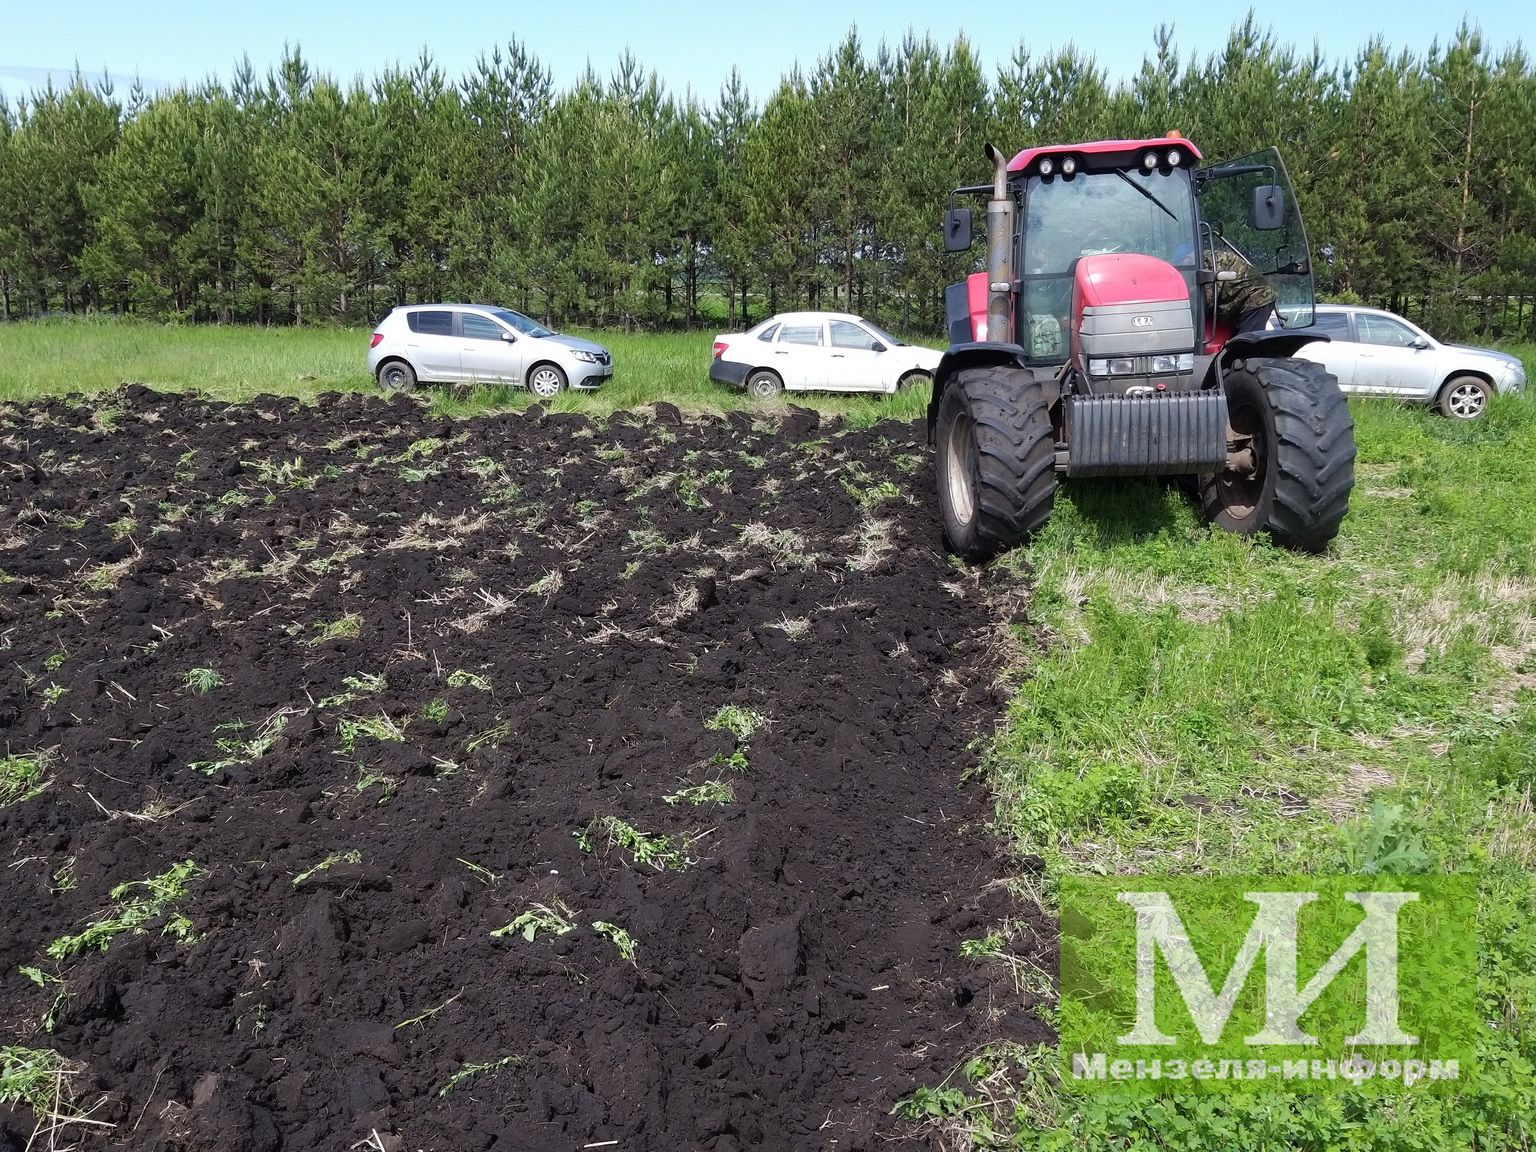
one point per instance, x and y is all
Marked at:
(1290, 454)
(996, 460)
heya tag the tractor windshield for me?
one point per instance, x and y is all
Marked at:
(1115, 210)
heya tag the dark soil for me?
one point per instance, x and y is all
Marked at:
(612, 586)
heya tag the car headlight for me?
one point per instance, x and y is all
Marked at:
(584, 356)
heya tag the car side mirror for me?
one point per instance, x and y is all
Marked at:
(1420, 343)
(877, 347)
(1268, 207)
(957, 230)
(509, 338)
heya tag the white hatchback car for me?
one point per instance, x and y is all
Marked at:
(821, 351)
(478, 343)
(1377, 353)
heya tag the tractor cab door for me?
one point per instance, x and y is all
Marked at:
(1248, 210)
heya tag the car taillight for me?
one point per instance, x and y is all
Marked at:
(720, 347)
(377, 336)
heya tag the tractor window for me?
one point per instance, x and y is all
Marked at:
(1126, 210)
(1226, 194)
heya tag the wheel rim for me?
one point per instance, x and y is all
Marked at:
(394, 377)
(957, 470)
(762, 388)
(1466, 401)
(545, 383)
(1242, 489)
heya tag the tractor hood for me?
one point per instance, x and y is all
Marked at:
(1129, 305)
(1128, 278)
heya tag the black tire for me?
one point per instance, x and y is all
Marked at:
(1295, 418)
(764, 384)
(996, 460)
(912, 379)
(546, 381)
(1464, 398)
(396, 376)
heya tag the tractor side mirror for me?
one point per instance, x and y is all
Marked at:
(1268, 207)
(957, 230)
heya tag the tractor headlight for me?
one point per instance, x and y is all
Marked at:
(1119, 366)
(1069, 166)
(1149, 161)
(1183, 363)
(1175, 157)
(1047, 166)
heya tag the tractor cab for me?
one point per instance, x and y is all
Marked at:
(1121, 327)
(1077, 205)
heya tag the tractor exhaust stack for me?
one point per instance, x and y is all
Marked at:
(1000, 247)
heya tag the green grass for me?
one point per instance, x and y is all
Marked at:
(151, 900)
(1204, 704)
(23, 776)
(53, 357)
(37, 1078)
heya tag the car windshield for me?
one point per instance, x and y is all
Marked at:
(522, 324)
(883, 336)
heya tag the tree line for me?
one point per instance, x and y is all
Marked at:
(291, 199)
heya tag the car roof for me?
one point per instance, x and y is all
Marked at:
(789, 317)
(1357, 308)
(449, 304)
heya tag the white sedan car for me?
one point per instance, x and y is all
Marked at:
(1376, 353)
(820, 351)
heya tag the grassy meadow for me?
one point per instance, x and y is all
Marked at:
(53, 357)
(1197, 704)
(1205, 704)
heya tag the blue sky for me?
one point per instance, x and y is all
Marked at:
(689, 44)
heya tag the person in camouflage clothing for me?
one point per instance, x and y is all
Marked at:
(1244, 304)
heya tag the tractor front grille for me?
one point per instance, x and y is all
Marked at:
(1161, 434)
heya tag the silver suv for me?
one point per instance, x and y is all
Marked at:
(479, 343)
(1379, 354)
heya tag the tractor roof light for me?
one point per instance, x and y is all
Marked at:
(1149, 161)
(1068, 165)
(1175, 157)
(1047, 166)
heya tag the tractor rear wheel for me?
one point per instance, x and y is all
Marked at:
(996, 460)
(1291, 454)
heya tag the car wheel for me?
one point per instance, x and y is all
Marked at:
(546, 381)
(911, 380)
(1465, 398)
(764, 385)
(397, 376)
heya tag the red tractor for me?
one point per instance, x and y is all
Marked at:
(1099, 342)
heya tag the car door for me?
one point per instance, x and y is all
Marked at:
(1394, 360)
(1338, 353)
(800, 354)
(853, 365)
(488, 351)
(431, 345)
